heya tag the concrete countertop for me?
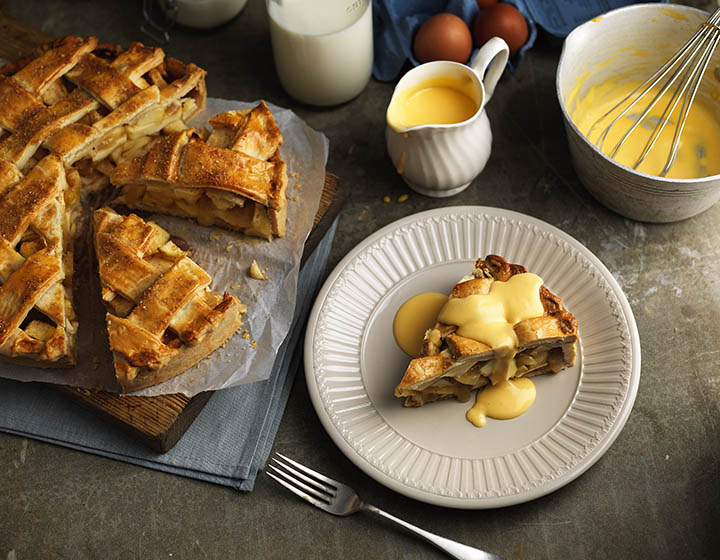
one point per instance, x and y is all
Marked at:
(654, 494)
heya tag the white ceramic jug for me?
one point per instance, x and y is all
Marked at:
(441, 160)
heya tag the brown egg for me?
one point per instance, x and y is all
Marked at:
(443, 37)
(482, 4)
(501, 20)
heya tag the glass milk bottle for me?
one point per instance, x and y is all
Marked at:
(323, 49)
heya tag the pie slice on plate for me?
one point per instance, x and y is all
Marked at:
(236, 179)
(499, 323)
(162, 318)
(37, 322)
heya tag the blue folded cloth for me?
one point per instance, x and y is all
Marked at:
(560, 17)
(229, 441)
(396, 21)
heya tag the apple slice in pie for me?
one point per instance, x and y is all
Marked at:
(162, 318)
(236, 179)
(500, 323)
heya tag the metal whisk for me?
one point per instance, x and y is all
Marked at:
(688, 66)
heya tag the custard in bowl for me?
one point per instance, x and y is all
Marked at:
(604, 60)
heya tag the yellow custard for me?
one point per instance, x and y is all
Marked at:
(401, 164)
(671, 13)
(508, 399)
(415, 316)
(435, 101)
(490, 318)
(699, 148)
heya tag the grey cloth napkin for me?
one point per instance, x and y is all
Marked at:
(230, 439)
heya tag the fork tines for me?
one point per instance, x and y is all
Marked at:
(310, 485)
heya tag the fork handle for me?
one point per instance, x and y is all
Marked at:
(452, 548)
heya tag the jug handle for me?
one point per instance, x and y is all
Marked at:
(491, 59)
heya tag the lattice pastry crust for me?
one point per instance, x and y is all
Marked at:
(92, 105)
(235, 180)
(74, 113)
(37, 321)
(68, 112)
(162, 317)
(452, 366)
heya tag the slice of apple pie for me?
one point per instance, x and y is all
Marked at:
(500, 323)
(162, 318)
(236, 179)
(37, 321)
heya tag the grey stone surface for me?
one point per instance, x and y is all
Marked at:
(654, 494)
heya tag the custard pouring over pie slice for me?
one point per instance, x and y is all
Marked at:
(162, 317)
(236, 180)
(500, 323)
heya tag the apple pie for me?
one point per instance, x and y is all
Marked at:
(162, 318)
(236, 179)
(93, 105)
(37, 321)
(75, 113)
(516, 328)
(70, 110)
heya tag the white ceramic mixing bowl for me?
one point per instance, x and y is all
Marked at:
(634, 41)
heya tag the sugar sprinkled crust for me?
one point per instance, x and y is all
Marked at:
(37, 320)
(162, 317)
(76, 113)
(66, 107)
(236, 179)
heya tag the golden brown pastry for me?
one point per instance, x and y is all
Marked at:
(452, 365)
(162, 317)
(93, 105)
(235, 180)
(75, 112)
(37, 321)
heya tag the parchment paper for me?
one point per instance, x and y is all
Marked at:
(227, 257)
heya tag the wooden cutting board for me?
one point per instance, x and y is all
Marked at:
(160, 421)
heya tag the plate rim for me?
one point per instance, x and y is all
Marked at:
(449, 501)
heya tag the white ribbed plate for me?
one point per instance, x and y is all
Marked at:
(432, 453)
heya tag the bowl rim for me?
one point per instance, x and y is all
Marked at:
(618, 13)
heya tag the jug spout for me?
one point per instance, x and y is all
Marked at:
(405, 130)
(396, 116)
(398, 126)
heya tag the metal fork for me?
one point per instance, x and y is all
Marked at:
(339, 499)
